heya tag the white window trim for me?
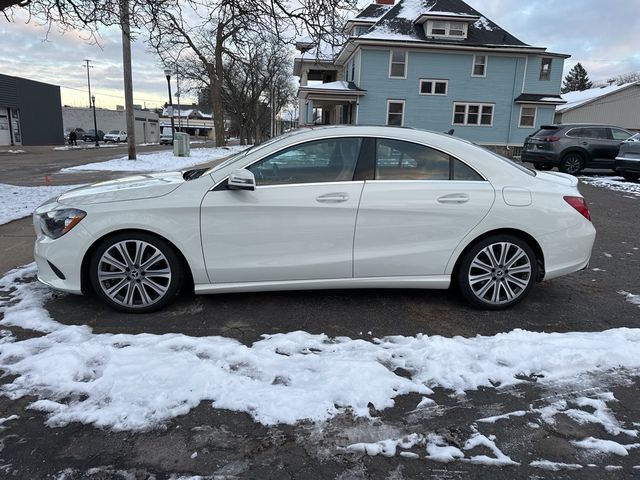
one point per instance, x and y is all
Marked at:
(434, 81)
(406, 63)
(486, 66)
(466, 114)
(535, 116)
(429, 29)
(389, 101)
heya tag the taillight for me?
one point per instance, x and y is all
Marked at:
(580, 205)
(552, 138)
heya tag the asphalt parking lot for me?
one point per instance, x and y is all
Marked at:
(231, 445)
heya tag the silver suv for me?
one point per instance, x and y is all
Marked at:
(574, 146)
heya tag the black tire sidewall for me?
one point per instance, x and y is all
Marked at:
(462, 272)
(175, 263)
(562, 166)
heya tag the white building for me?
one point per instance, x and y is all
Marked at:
(146, 122)
(614, 105)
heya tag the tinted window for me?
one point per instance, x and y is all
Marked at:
(602, 133)
(619, 134)
(546, 132)
(398, 160)
(329, 160)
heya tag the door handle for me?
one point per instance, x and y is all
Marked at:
(454, 198)
(338, 197)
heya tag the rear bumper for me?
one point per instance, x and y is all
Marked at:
(568, 251)
(624, 164)
(544, 158)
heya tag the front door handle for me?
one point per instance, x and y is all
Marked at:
(337, 197)
(454, 198)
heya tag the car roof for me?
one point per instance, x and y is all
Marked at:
(566, 125)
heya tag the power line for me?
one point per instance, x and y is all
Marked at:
(155, 100)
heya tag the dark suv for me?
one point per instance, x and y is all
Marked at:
(573, 146)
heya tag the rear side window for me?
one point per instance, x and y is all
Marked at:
(399, 160)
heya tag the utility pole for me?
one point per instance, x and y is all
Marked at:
(128, 78)
(87, 66)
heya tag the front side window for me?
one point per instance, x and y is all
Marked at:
(328, 160)
(528, 117)
(545, 69)
(473, 114)
(479, 66)
(395, 112)
(398, 64)
(399, 160)
(433, 87)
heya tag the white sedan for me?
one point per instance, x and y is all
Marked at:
(116, 136)
(321, 208)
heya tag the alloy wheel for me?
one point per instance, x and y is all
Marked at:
(500, 273)
(134, 273)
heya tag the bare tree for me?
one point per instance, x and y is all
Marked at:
(624, 78)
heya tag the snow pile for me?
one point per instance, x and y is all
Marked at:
(18, 202)
(129, 382)
(605, 446)
(86, 146)
(160, 161)
(617, 184)
(631, 298)
(12, 151)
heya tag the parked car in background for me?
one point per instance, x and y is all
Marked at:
(79, 133)
(116, 136)
(320, 208)
(166, 137)
(90, 136)
(627, 162)
(573, 147)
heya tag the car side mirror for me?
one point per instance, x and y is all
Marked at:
(241, 180)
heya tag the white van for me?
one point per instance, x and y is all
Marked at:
(166, 137)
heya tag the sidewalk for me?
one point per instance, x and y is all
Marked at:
(16, 244)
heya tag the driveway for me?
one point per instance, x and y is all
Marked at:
(537, 431)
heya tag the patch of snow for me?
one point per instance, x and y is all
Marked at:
(605, 446)
(88, 146)
(519, 413)
(409, 455)
(617, 184)
(630, 297)
(575, 99)
(608, 255)
(384, 32)
(439, 450)
(554, 466)
(483, 24)
(13, 151)
(79, 376)
(601, 414)
(194, 455)
(425, 403)
(160, 161)
(19, 202)
(613, 468)
(500, 458)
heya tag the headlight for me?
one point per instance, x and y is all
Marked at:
(56, 223)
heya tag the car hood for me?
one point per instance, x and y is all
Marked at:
(130, 188)
(558, 178)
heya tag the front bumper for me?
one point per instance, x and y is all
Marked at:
(624, 164)
(64, 254)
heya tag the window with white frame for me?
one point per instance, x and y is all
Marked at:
(479, 66)
(545, 69)
(473, 114)
(398, 63)
(528, 116)
(395, 112)
(436, 28)
(433, 87)
(349, 71)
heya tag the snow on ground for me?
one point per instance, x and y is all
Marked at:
(630, 297)
(12, 151)
(605, 446)
(86, 146)
(131, 382)
(617, 184)
(160, 161)
(18, 202)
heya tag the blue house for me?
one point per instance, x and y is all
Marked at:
(432, 64)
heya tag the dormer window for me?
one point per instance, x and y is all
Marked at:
(449, 29)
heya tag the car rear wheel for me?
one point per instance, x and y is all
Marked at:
(136, 272)
(571, 163)
(497, 272)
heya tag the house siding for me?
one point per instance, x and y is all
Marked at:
(619, 108)
(502, 84)
(532, 82)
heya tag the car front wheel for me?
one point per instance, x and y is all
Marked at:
(497, 272)
(136, 272)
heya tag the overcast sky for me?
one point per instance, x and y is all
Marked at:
(603, 36)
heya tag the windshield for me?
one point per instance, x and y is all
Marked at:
(114, 132)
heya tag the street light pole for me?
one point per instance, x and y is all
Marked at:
(167, 73)
(95, 123)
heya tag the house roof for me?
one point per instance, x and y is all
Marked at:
(540, 98)
(399, 23)
(577, 99)
(372, 13)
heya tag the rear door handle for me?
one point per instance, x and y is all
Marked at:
(337, 197)
(454, 198)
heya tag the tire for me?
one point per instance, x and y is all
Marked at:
(121, 279)
(631, 177)
(483, 280)
(572, 163)
(542, 168)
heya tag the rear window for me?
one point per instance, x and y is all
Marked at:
(546, 132)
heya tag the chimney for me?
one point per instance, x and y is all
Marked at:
(385, 2)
